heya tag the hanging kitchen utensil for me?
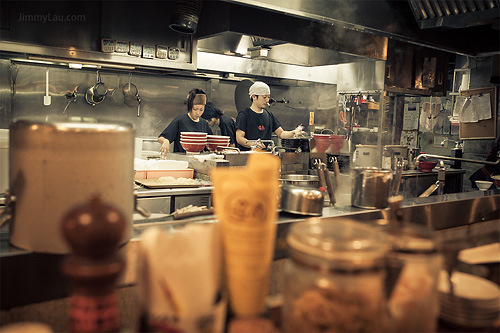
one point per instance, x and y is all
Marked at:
(138, 105)
(14, 69)
(97, 93)
(47, 99)
(71, 97)
(132, 97)
(329, 184)
(130, 89)
(117, 96)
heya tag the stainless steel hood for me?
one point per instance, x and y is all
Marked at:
(455, 14)
(249, 30)
(351, 28)
(235, 44)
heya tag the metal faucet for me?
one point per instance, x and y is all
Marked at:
(439, 185)
(458, 159)
(458, 144)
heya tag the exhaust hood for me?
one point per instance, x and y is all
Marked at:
(240, 45)
(231, 28)
(348, 30)
(455, 14)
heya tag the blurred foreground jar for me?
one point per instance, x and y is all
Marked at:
(335, 277)
(414, 301)
(54, 166)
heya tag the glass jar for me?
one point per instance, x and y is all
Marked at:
(414, 299)
(334, 279)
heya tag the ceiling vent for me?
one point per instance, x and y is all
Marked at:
(455, 13)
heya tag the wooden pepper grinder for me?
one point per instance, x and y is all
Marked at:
(93, 231)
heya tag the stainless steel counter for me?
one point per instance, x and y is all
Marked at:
(20, 287)
(146, 192)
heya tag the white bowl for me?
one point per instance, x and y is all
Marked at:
(483, 185)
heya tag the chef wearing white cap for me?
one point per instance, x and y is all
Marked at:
(256, 122)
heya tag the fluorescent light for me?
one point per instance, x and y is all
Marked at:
(83, 63)
(75, 66)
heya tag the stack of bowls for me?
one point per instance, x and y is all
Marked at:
(336, 143)
(322, 142)
(214, 141)
(475, 301)
(193, 142)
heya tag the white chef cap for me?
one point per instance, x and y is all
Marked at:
(259, 88)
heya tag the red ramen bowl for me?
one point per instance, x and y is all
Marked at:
(193, 147)
(336, 143)
(189, 140)
(193, 135)
(426, 166)
(213, 145)
(322, 142)
(217, 138)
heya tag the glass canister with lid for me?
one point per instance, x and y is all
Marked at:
(335, 277)
(414, 300)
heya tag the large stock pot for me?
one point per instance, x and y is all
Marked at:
(55, 166)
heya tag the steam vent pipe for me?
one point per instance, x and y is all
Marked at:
(185, 16)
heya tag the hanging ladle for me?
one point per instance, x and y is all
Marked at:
(118, 96)
(132, 97)
(130, 89)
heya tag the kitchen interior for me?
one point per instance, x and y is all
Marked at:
(379, 86)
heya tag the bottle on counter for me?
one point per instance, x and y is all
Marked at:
(414, 300)
(93, 231)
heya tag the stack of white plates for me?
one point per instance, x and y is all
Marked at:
(475, 301)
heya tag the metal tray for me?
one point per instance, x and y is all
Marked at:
(153, 183)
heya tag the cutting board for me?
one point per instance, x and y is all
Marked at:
(153, 183)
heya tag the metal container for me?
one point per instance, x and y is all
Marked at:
(392, 153)
(302, 201)
(56, 166)
(300, 180)
(371, 187)
(365, 156)
(293, 144)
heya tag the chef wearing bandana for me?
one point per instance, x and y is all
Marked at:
(215, 117)
(256, 122)
(189, 122)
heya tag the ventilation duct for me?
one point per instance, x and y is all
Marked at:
(185, 16)
(454, 13)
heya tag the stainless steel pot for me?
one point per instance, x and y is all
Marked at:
(300, 180)
(296, 144)
(302, 201)
(97, 93)
(55, 166)
(371, 187)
